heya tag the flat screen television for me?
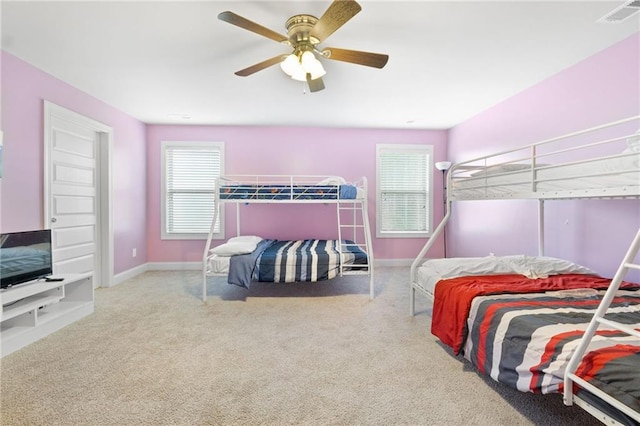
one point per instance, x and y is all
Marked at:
(24, 256)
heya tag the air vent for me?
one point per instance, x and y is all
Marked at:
(622, 12)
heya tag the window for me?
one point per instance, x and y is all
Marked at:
(404, 180)
(189, 173)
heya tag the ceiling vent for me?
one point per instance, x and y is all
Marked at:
(622, 12)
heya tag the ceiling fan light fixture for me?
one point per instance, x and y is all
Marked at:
(299, 75)
(290, 65)
(307, 60)
(297, 67)
(311, 65)
(318, 72)
(304, 34)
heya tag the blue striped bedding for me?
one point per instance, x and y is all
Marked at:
(295, 261)
(288, 192)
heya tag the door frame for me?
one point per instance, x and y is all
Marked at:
(104, 216)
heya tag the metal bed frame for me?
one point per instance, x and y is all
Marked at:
(573, 166)
(352, 213)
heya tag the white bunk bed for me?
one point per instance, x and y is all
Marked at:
(599, 318)
(601, 162)
(350, 254)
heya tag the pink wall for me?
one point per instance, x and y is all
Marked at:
(350, 153)
(21, 205)
(600, 89)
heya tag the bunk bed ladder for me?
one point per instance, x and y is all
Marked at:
(598, 318)
(357, 230)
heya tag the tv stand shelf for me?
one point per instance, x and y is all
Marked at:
(35, 309)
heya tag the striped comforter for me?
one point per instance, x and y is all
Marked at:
(306, 260)
(525, 340)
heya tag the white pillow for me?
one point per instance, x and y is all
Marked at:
(542, 267)
(464, 266)
(332, 180)
(233, 248)
(254, 239)
(529, 266)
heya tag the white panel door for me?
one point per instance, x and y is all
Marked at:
(73, 197)
(72, 191)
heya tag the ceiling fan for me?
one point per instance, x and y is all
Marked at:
(304, 35)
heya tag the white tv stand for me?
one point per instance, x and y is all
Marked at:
(35, 309)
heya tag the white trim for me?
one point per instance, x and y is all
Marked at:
(422, 149)
(174, 266)
(106, 209)
(129, 274)
(195, 266)
(163, 192)
(105, 228)
(392, 263)
(155, 266)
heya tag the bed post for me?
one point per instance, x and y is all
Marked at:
(541, 227)
(237, 219)
(207, 246)
(418, 260)
(368, 242)
(205, 255)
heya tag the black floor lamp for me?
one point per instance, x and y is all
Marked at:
(443, 166)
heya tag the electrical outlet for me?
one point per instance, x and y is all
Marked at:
(134, 253)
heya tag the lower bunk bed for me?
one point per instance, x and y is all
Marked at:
(519, 319)
(250, 258)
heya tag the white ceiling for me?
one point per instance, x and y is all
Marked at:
(448, 60)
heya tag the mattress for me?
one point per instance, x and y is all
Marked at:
(290, 192)
(433, 270)
(427, 278)
(219, 264)
(526, 341)
(290, 261)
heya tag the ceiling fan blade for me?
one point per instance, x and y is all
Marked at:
(376, 60)
(241, 22)
(259, 66)
(338, 13)
(315, 85)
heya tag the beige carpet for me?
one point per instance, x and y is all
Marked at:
(281, 354)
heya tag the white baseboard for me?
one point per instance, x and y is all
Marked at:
(126, 275)
(393, 262)
(174, 266)
(192, 266)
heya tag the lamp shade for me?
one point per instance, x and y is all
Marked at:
(290, 65)
(307, 60)
(443, 165)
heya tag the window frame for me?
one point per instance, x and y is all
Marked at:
(164, 234)
(427, 150)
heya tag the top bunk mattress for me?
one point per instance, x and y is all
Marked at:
(289, 188)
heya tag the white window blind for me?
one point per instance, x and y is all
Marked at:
(404, 190)
(190, 173)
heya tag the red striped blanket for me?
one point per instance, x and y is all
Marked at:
(522, 332)
(453, 297)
